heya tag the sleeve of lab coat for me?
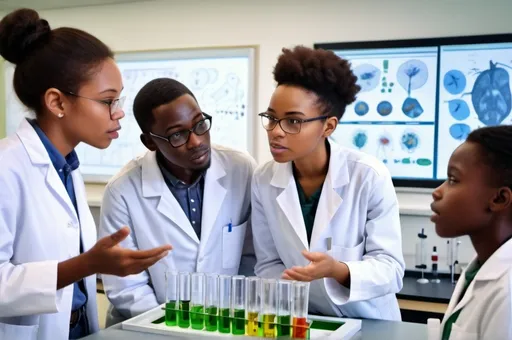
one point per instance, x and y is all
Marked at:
(496, 320)
(27, 288)
(248, 260)
(382, 268)
(268, 262)
(130, 295)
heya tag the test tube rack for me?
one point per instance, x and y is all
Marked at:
(205, 322)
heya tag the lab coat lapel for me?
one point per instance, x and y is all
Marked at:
(39, 156)
(288, 200)
(153, 185)
(87, 224)
(213, 197)
(330, 199)
(495, 266)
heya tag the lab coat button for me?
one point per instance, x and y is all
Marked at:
(70, 225)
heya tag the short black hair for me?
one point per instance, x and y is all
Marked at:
(322, 72)
(496, 144)
(157, 92)
(63, 58)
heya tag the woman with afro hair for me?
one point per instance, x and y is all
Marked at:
(321, 212)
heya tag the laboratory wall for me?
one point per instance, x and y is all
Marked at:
(271, 25)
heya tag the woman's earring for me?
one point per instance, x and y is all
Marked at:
(60, 115)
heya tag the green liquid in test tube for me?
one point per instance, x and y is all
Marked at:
(171, 298)
(198, 299)
(284, 308)
(238, 305)
(225, 304)
(184, 300)
(212, 302)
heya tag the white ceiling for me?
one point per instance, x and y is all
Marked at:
(9, 5)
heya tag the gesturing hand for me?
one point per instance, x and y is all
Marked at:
(107, 257)
(322, 265)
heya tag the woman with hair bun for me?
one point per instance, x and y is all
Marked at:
(320, 212)
(48, 250)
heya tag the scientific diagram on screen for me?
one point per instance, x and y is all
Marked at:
(474, 92)
(393, 117)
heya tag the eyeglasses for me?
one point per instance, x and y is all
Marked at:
(180, 138)
(288, 125)
(113, 104)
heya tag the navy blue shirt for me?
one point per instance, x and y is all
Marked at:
(189, 196)
(64, 167)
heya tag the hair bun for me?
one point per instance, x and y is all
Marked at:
(20, 32)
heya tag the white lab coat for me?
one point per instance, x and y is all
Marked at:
(38, 229)
(358, 210)
(486, 308)
(139, 198)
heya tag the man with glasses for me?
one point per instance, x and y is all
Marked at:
(184, 191)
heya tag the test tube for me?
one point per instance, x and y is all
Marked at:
(300, 310)
(171, 298)
(238, 305)
(224, 304)
(197, 301)
(212, 302)
(268, 308)
(184, 300)
(252, 287)
(284, 308)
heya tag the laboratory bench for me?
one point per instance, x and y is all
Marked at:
(418, 302)
(370, 329)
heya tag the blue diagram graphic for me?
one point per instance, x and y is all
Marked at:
(460, 131)
(458, 109)
(491, 97)
(360, 139)
(454, 81)
(361, 108)
(412, 75)
(409, 141)
(368, 77)
(412, 108)
(384, 108)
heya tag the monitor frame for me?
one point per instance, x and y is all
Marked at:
(412, 43)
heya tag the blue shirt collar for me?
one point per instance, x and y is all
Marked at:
(58, 161)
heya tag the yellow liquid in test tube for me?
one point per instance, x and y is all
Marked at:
(252, 323)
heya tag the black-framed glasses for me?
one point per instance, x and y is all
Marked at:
(288, 125)
(113, 104)
(180, 138)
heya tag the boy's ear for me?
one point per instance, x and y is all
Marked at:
(148, 142)
(501, 200)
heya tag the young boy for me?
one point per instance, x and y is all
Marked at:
(476, 200)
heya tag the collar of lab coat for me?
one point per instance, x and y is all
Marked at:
(153, 185)
(337, 173)
(329, 202)
(33, 144)
(495, 267)
(39, 156)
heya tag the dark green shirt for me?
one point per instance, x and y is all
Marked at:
(308, 206)
(470, 275)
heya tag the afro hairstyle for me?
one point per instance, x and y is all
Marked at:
(321, 72)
